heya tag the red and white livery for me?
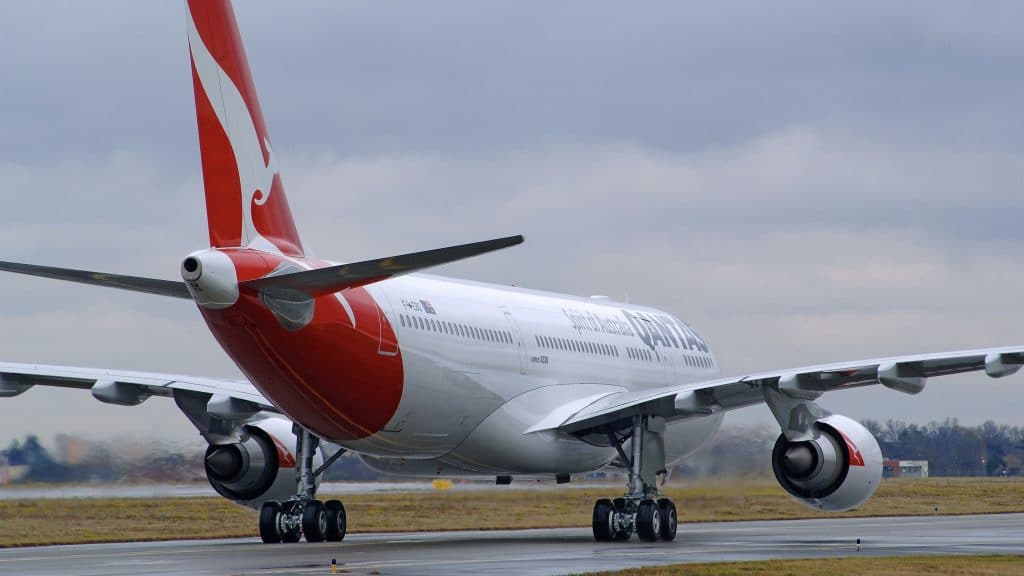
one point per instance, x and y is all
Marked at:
(422, 375)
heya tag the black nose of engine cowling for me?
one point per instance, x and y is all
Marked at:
(224, 462)
(798, 461)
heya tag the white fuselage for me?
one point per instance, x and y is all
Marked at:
(484, 364)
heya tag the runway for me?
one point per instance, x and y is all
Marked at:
(531, 552)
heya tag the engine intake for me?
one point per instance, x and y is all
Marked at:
(258, 468)
(838, 470)
(245, 470)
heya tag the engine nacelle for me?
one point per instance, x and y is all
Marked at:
(259, 468)
(836, 471)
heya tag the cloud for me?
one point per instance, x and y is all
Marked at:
(790, 275)
(804, 185)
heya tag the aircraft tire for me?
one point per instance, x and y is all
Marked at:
(604, 519)
(337, 521)
(314, 521)
(669, 520)
(270, 512)
(648, 521)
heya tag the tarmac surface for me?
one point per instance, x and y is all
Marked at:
(527, 552)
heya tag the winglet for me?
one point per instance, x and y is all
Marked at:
(337, 278)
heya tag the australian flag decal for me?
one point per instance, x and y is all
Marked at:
(427, 307)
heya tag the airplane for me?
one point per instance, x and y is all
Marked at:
(426, 376)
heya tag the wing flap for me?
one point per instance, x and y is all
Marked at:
(120, 387)
(906, 374)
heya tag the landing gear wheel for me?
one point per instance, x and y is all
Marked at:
(620, 508)
(604, 520)
(648, 521)
(270, 516)
(337, 522)
(314, 521)
(669, 521)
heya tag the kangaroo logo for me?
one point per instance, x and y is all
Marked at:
(254, 157)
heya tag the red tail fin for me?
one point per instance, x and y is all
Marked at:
(245, 201)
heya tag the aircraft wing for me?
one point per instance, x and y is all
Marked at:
(907, 374)
(207, 402)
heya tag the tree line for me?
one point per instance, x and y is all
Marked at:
(77, 460)
(950, 449)
(954, 450)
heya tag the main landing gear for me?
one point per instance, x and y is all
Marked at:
(640, 510)
(303, 514)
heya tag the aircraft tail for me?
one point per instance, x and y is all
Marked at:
(245, 201)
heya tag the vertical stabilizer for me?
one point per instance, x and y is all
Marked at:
(245, 201)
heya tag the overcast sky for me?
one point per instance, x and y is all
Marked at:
(803, 181)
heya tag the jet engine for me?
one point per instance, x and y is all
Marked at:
(258, 468)
(837, 470)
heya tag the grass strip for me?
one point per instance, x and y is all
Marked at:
(863, 566)
(73, 521)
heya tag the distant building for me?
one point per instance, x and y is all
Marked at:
(905, 468)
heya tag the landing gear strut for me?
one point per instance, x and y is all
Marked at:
(303, 514)
(641, 510)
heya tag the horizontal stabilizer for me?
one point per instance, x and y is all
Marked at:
(336, 278)
(175, 289)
